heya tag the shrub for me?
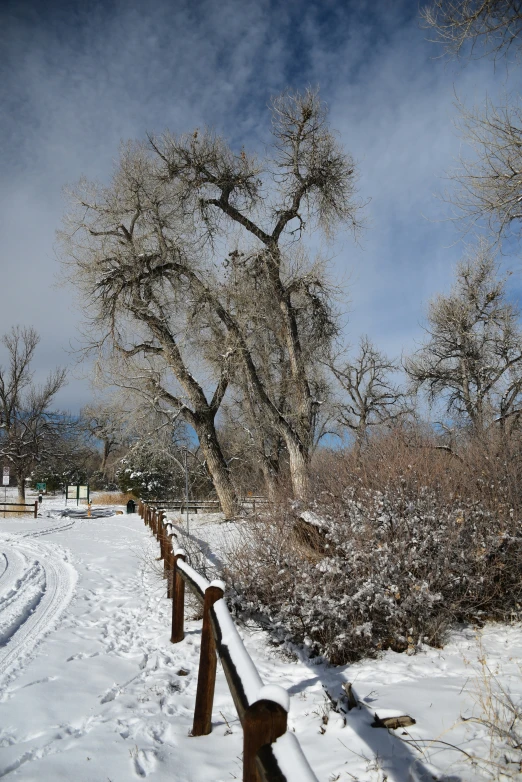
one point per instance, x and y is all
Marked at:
(387, 567)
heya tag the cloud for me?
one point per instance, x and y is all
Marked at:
(78, 78)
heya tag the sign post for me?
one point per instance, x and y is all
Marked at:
(6, 484)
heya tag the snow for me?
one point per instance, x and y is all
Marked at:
(291, 759)
(272, 692)
(312, 518)
(92, 689)
(218, 584)
(239, 656)
(201, 582)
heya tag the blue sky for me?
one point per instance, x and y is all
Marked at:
(76, 78)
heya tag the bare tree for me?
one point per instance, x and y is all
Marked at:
(488, 26)
(147, 253)
(308, 183)
(145, 297)
(105, 421)
(371, 398)
(29, 430)
(489, 183)
(472, 356)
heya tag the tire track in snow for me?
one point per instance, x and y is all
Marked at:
(22, 587)
(30, 614)
(14, 566)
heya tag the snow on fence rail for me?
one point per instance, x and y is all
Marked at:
(206, 505)
(19, 507)
(270, 752)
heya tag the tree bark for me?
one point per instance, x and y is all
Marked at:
(20, 482)
(216, 464)
(298, 470)
(107, 444)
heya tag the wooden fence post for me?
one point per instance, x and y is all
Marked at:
(170, 566)
(263, 722)
(178, 600)
(36, 509)
(202, 724)
(161, 541)
(166, 548)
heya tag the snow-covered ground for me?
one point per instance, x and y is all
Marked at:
(91, 688)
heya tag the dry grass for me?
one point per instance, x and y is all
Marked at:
(112, 498)
(501, 715)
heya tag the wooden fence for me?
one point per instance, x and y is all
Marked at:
(19, 507)
(207, 506)
(271, 753)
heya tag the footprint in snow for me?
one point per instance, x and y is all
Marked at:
(111, 694)
(40, 681)
(145, 762)
(7, 739)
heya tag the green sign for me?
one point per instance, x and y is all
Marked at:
(41, 486)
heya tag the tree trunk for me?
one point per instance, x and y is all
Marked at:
(217, 466)
(106, 451)
(298, 470)
(20, 482)
(268, 476)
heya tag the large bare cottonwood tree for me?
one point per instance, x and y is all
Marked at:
(193, 258)
(306, 182)
(142, 285)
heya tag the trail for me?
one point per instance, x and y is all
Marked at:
(36, 587)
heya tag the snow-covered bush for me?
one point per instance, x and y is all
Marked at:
(382, 568)
(149, 473)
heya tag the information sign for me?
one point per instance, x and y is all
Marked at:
(41, 486)
(77, 492)
(6, 476)
(83, 493)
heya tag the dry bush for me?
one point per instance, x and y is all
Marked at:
(113, 498)
(412, 540)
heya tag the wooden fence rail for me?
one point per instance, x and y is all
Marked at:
(270, 752)
(19, 507)
(207, 505)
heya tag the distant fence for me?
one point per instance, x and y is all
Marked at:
(207, 506)
(270, 752)
(19, 507)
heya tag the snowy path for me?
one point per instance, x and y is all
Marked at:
(35, 589)
(91, 688)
